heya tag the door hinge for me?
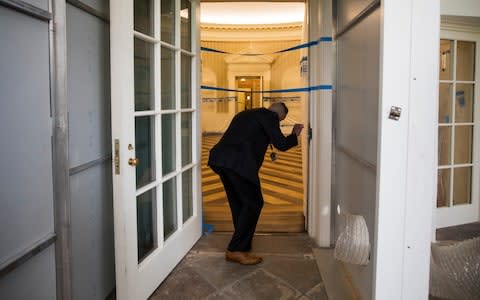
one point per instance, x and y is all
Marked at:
(309, 133)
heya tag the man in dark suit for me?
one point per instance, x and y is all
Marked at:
(237, 159)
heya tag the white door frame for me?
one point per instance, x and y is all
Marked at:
(138, 280)
(462, 214)
(320, 119)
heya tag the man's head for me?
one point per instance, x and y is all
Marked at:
(280, 109)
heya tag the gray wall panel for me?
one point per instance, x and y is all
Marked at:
(26, 190)
(358, 89)
(43, 4)
(356, 124)
(349, 9)
(93, 271)
(88, 87)
(100, 5)
(33, 280)
(92, 233)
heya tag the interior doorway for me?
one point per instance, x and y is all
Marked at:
(246, 66)
(248, 99)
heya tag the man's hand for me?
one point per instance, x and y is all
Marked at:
(297, 129)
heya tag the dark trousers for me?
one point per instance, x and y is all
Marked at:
(246, 202)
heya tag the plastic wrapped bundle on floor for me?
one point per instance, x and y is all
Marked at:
(353, 243)
(455, 270)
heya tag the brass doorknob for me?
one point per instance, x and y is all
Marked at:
(133, 161)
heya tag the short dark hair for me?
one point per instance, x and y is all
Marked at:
(285, 108)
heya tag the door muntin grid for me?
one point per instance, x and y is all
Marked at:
(456, 122)
(165, 120)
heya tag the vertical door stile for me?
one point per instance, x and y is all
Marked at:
(158, 119)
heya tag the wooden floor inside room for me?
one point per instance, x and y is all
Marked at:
(282, 187)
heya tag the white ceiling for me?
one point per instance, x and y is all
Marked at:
(252, 12)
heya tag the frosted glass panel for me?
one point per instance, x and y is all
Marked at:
(168, 143)
(146, 220)
(169, 207)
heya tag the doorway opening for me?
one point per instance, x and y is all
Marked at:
(241, 74)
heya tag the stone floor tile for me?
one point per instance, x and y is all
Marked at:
(214, 242)
(297, 244)
(223, 295)
(185, 283)
(262, 286)
(300, 272)
(318, 292)
(219, 272)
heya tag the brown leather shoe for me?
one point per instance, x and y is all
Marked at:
(242, 258)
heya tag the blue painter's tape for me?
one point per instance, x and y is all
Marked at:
(294, 90)
(301, 46)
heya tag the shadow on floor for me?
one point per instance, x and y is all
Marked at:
(289, 271)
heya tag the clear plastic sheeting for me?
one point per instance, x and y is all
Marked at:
(455, 270)
(353, 243)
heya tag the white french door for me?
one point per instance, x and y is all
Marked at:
(458, 116)
(155, 137)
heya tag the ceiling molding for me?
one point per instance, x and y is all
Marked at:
(262, 32)
(458, 23)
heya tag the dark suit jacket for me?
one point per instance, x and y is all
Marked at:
(243, 146)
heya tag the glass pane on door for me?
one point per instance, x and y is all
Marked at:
(446, 61)
(146, 223)
(464, 103)
(187, 133)
(145, 150)
(443, 188)
(445, 103)
(444, 145)
(169, 207)
(186, 81)
(463, 144)
(465, 61)
(187, 194)
(168, 78)
(168, 21)
(462, 185)
(186, 24)
(143, 16)
(143, 79)
(168, 143)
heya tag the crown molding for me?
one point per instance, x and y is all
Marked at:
(258, 32)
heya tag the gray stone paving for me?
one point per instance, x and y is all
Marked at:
(289, 271)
